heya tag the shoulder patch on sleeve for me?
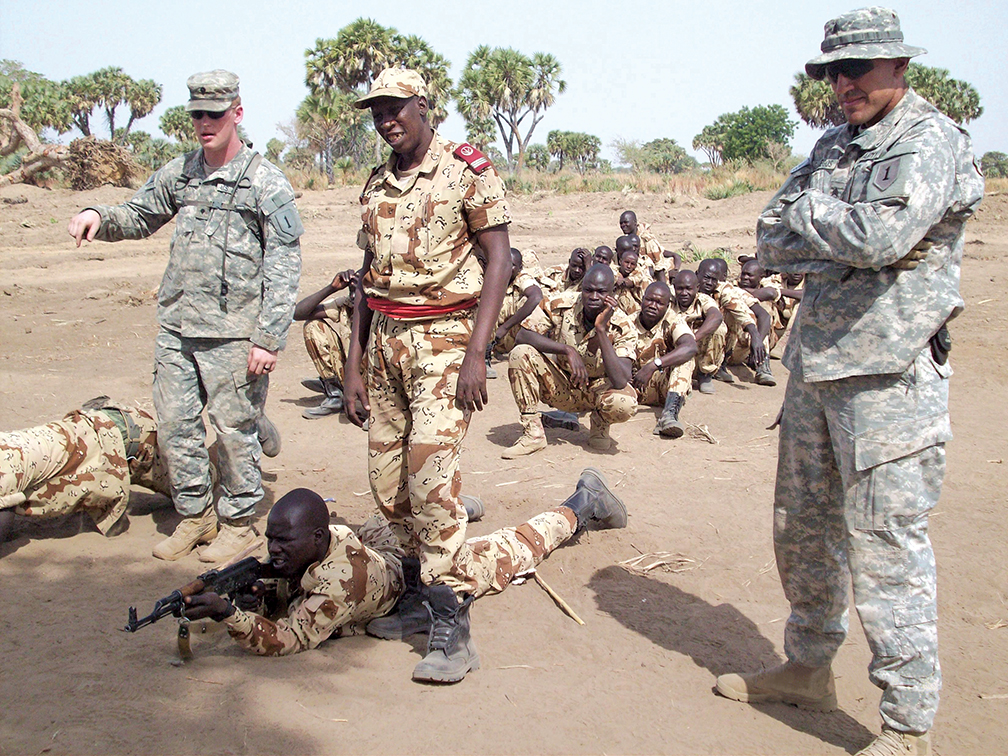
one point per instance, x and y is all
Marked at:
(884, 174)
(472, 157)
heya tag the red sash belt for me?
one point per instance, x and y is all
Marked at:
(401, 311)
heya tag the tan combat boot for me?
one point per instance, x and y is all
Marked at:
(894, 743)
(532, 440)
(598, 436)
(235, 536)
(188, 534)
(805, 687)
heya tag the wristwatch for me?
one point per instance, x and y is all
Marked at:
(657, 363)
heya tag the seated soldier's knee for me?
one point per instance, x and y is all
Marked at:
(522, 356)
(618, 405)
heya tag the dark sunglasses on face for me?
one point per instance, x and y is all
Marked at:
(198, 114)
(851, 69)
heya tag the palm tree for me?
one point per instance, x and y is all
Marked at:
(815, 102)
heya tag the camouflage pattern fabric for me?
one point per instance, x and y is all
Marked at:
(261, 274)
(651, 249)
(629, 290)
(656, 342)
(361, 578)
(536, 377)
(78, 462)
(866, 408)
(711, 350)
(193, 374)
(514, 298)
(327, 339)
(555, 280)
(569, 328)
(421, 228)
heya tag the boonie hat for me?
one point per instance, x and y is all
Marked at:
(863, 34)
(395, 82)
(212, 90)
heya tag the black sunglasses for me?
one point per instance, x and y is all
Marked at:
(212, 115)
(851, 69)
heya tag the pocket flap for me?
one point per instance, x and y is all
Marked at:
(880, 445)
(907, 616)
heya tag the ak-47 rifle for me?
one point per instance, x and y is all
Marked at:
(231, 581)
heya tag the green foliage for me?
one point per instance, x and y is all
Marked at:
(732, 188)
(695, 255)
(508, 88)
(746, 135)
(43, 106)
(958, 99)
(666, 156)
(537, 157)
(148, 151)
(994, 164)
(574, 148)
(273, 149)
(329, 123)
(176, 123)
(109, 89)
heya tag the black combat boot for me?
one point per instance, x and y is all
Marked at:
(668, 425)
(763, 375)
(409, 616)
(451, 652)
(593, 502)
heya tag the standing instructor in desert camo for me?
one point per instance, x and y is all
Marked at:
(224, 307)
(875, 219)
(425, 311)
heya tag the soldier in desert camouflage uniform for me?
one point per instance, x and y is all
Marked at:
(86, 460)
(327, 323)
(521, 307)
(563, 278)
(586, 365)
(346, 578)
(746, 321)
(631, 279)
(875, 218)
(704, 318)
(663, 263)
(663, 359)
(224, 307)
(422, 213)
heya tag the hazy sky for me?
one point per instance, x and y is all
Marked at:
(639, 69)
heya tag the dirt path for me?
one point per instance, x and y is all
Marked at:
(636, 679)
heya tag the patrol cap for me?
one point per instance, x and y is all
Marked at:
(395, 82)
(863, 34)
(212, 90)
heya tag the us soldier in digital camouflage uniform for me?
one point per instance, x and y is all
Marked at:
(345, 578)
(86, 460)
(422, 213)
(663, 359)
(704, 318)
(875, 218)
(327, 323)
(224, 307)
(585, 365)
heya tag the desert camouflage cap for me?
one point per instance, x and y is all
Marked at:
(395, 82)
(212, 90)
(864, 34)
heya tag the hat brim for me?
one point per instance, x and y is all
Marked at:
(816, 68)
(374, 94)
(213, 106)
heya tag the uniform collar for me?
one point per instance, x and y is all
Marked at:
(639, 322)
(227, 173)
(429, 164)
(310, 580)
(872, 136)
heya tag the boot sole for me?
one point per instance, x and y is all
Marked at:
(437, 676)
(394, 634)
(675, 431)
(809, 704)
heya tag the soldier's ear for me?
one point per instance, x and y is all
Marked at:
(423, 106)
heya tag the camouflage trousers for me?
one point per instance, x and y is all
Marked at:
(860, 465)
(53, 469)
(191, 375)
(737, 345)
(711, 351)
(415, 438)
(536, 378)
(326, 341)
(678, 379)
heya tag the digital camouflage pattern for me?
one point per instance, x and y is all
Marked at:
(261, 274)
(327, 339)
(710, 350)
(657, 342)
(79, 462)
(866, 34)
(861, 202)
(862, 437)
(190, 374)
(361, 578)
(421, 228)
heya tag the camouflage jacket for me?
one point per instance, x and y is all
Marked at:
(245, 292)
(421, 227)
(566, 312)
(359, 579)
(660, 339)
(863, 200)
(695, 314)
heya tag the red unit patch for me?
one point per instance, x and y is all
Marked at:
(473, 157)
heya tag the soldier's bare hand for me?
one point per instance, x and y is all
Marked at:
(757, 353)
(84, 225)
(641, 377)
(261, 360)
(344, 279)
(579, 373)
(603, 318)
(204, 605)
(470, 390)
(355, 399)
(914, 257)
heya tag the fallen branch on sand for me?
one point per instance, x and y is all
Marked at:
(666, 560)
(700, 431)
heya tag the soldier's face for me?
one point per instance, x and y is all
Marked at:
(216, 133)
(655, 304)
(594, 290)
(708, 278)
(628, 224)
(627, 262)
(292, 547)
(750, 276)
(576, 266)
(867, 99)
(602, 255)
(686, 288)
(400, 121)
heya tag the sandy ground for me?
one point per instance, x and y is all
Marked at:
(637, 678)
